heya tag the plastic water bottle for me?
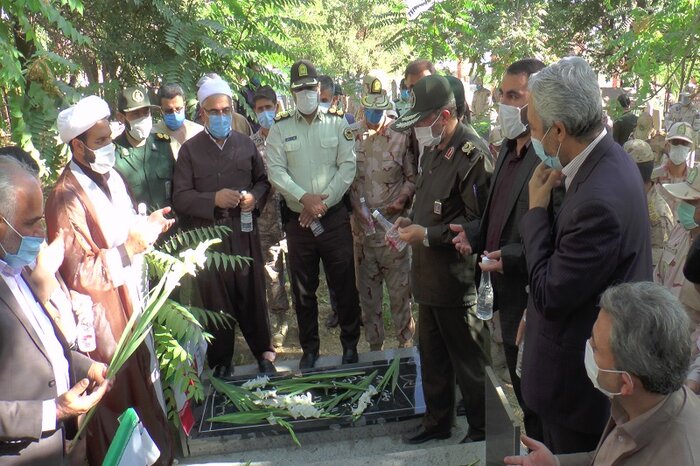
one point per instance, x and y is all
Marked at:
(392, 234)
(86, 331)
(484, 299)
(368, 227)
(246, 218)
(316, 228)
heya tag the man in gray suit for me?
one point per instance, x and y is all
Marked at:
(38, 407)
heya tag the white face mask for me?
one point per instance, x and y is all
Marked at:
(141, 128)
(307, 101)
(592, 370)
(424, 134)
(678, 154)
(511, 123)
(104, 159)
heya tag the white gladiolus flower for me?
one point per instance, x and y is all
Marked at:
(272, 419)
(192, 259)
(364, 401)
(258, 382)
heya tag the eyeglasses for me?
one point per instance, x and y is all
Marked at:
(216, 111)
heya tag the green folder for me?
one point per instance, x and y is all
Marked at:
(130, 443)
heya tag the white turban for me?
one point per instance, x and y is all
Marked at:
(78, 118)
(213, 87)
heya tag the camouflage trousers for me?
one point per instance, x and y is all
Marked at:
(375, 266)
(274, 250)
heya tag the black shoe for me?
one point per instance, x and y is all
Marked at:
(422, 436)
(265, 366)
(222, 371)
(350, 356)
(474, 436)
(308, 360)
(332, 320)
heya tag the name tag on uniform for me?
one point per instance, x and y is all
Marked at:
(437, 208)
(290, 138)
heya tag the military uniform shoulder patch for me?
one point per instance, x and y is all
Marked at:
(281, 116)
(162, 137)
(468, 147)
(348, 134)
(335, 111)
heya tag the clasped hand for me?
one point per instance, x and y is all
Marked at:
(314, 208)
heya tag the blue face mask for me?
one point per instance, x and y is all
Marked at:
(405, 94)
(686, 215)
(266, 118)
(28, 250)
(373, 117)
(551, 162)
(220, 125)
(174, 120)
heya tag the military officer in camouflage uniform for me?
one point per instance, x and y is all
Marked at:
(684, 110)
(386, 181)
(145, 160)
(660, 214)
(311, 162)
(270, 223)
(452, 188)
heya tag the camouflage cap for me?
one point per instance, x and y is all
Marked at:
(374, 95)
(639, 150)
(303, 73)
(682, 131)
(645, 126)
(688, 190)
(430, 93)
(133, 98)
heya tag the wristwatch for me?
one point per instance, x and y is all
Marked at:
(425, 238)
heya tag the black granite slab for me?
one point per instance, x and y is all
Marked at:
(406, 402)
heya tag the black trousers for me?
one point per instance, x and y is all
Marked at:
(453, 344)
(240, 293)
(561, 440)
(334, 248)
(533, 425)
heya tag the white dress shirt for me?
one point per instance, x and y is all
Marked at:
(573, 167)
(44, 329)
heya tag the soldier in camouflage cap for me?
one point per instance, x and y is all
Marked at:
(385, 180)
(660, 215)
(681, 154)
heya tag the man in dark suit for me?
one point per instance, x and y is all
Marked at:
(599, 237)
(37, 407)
(497, 235)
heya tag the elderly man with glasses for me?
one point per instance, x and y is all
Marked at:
(220, 180)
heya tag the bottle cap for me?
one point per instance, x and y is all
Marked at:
(486, 260)
(376, 214)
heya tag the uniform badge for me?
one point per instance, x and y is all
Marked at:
(290, 138)
(412, 100)
(303, 70)
(137, 96)
(340, 113)
(450, 153)
(376, 86)
(162, 136)
(437, 208)
(332, 110)
(124, 151)
(468, 147)
(348, 134)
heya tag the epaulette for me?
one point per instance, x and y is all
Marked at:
(282, 115)
(468, 147)
(162, 137)
(335, 111)
(124, 151)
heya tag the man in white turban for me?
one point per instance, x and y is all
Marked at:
(220, 179)
(103, 246)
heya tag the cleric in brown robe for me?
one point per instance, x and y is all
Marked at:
(212, 171)
(103, 243)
